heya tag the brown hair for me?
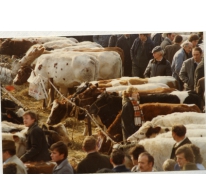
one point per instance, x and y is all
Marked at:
(193, 37)
(136, 151)
(89, 143)
(197, 49)
(196, 152)
(169, 165)
(188, 153)
(179, 130)
(31, 114)
(178, 39)
(149, 156)
(60, 147)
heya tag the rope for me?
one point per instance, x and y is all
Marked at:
(13, 98)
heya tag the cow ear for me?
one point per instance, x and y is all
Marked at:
(16, 138)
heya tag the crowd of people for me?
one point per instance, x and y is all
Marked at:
(145, 55)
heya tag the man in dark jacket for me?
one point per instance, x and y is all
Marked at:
(36, 144)
(168, 40)
(125, 43)
(159, 66)
(157, 38)
(199, 72)
(117, 159)
(170, 50)
(94, 161)
(178, 134)
(141, 53)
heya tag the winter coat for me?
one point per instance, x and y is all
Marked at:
(199, 72)
(36, 145)
(187, 74)
(155, 68)
(63, 168)
(165, 43)
(170, 51)
(157, 38)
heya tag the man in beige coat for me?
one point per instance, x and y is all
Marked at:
(9, 155)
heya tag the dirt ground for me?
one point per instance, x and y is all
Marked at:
(75, 128)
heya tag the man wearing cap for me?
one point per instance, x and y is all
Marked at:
(9, 156)
(158, 66)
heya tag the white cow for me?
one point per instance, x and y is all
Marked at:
(161, 148)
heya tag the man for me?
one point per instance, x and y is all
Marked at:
(93, 161)
(36, 144)
(134, 154)
(103, 40)
(9, 156)
(188, 68)
(170, 50)
(199, 72)
(117, 160)
(178, 134)
(146, 162)
(59, 153)
(184, 154)
(141, 53)
(200, 90)
(167, 40)
(180, 56)
(194, 40)
(156, 38)
(125, 43)
(159, 66)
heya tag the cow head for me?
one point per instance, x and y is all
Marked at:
(59, 112)
(55, 133)
(22, 75)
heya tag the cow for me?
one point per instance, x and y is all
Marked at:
(13, 117)
(9, 127)
(8, 104)
(126, 81)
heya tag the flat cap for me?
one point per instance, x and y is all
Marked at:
(8, 145)
(156, 49)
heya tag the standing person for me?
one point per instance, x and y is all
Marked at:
(93, 161)
(103, 40)
(117, 159)
(134, 154)
(180, 56)
(132, 116)
(146, 162)
(141, 53)
(9, 156)
(113, 40)
(187, 70)
(169, 165)
(168, 40)
(184, 154)
(179, 135)
(159, 66)
(200, 90)
(199, 72)
(59, 153)
(194, 38)
(157, 38)
(125, 43)
(170, 50)
(36, 144)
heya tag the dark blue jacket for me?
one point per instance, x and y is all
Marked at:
(121, 168)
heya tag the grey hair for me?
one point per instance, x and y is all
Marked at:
(186, 43)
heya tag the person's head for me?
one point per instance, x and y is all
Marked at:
(189, 166)
(171, 36)
(187, 46)
(157, 53)
(184, 155)
(194, 39)
(145, 162)
(8, 149)
(178, 39)
(10, 168)
(196, 152)
(131, 91)
(197, 54)
(59, 151)
(29, 118)
(169, 165)
(135, 152)
(89, 144)
(117, 157)
(178, 132)
(143, 37)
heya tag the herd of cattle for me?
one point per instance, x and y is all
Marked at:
(96, 75)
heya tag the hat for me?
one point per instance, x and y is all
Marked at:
(8, 145)
(156, 49)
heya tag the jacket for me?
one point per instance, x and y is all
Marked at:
(165, 43)
(154, 68)
(199, 72)
(103, 40)
(36, 145)
(170, 51)
(93, 162)
(63, 168)
(121, 168)
(187, 74)
(21, 168)
(186, 141)
(148, 48)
